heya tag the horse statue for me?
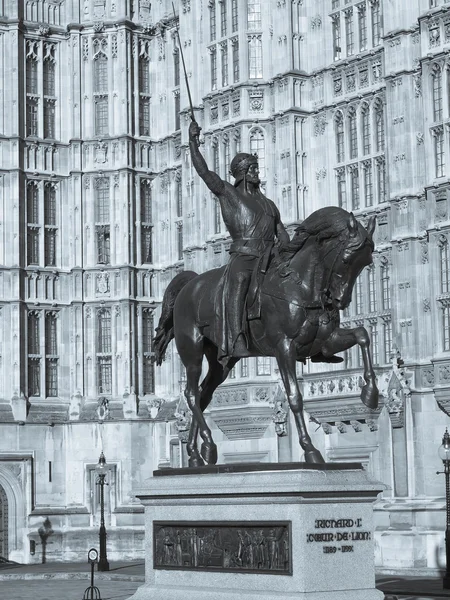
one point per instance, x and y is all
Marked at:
(300, 297)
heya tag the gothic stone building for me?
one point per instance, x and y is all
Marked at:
(345, 102)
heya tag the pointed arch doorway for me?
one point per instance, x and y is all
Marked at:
(3, 525)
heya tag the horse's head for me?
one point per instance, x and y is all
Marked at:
(346, 261)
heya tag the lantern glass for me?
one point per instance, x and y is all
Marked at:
(101, 467)
(444, 449)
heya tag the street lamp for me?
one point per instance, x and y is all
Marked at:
(103, 564)
(444, 455)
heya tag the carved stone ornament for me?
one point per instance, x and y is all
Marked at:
(434, 34)
(316, 22)
(102, 409)
(256, 100)
(101, 150)
(428, 378)
(144, 9)
(99, 9)
(182, 424)
(102, 283)
(394, 386)
(231, 397)
(417, 85)
(279, 418)
(153, 407)
(250, 547)
(320, 123)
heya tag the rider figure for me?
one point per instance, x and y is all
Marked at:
(253, 222)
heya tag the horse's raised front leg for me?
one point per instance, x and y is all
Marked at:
(286, 359)
(342, 339)
(208, 449)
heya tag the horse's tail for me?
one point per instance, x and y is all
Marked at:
(164, 332)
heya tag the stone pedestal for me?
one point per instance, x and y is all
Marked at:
(284, 531)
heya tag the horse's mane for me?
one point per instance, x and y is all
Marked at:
(328, 223)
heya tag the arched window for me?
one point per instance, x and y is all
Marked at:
(255, 68)
(436, 78)
(375, 347)
(445, 265)
(339, 125)
(352, 133)
(365, 128)
(254, 14)
(371, 282)
(226, 157)
(379, 126)
(104, 352)
(385, 287)
(212, 21)
(100, 74)
(257, 146)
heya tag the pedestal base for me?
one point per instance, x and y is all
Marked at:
(299, 533)
(150, 592)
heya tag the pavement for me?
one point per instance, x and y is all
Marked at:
(54, 581)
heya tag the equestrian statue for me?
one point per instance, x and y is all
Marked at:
(275, 297)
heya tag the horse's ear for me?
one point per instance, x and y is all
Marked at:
(352, 225)
(371, 226)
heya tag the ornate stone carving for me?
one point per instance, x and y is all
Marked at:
(230, 397)
(263, 394)
(444, 373)
(337, 84)
(186, 5)
(251, 546)
(43, 30)
(279, 418)
(376, 71)
(424, 251)
(434, 34)
(100, 154)
(394, 386)
(364, 76)
(153, 407)
(102, 410)
(320, 122)
(428, 377)
(85, 48)
(316, 22)
(256, 100)
(417, 79)
(144, 9)
(350, 81)
(182, 424)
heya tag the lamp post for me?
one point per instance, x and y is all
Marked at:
(444, 455)
(103, 564)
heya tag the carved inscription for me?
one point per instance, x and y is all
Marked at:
(338, 535)
(246, 547)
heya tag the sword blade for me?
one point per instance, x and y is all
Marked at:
(184, 65)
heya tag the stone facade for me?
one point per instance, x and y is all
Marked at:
(345, 102)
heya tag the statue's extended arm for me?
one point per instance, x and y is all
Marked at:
(212, 180)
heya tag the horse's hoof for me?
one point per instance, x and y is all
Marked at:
(195, 461)
(314, 457)
(209, 453)
(369, 396)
